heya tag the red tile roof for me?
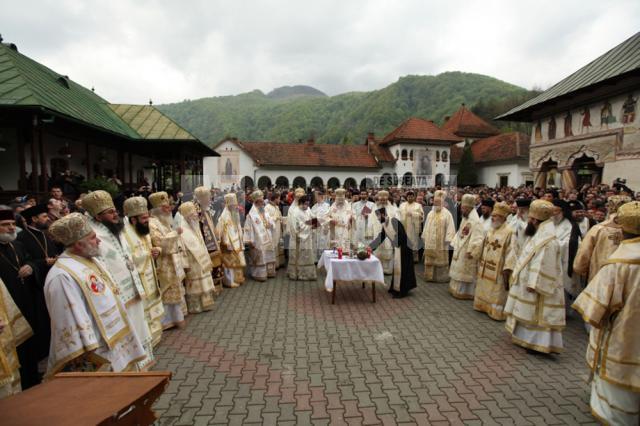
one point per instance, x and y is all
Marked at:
(381, 153)
(464, 123)
(309, 154)
(417, 129)
(503, 147)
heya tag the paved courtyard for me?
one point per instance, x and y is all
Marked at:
(279, 352)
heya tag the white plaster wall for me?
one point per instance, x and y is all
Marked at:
(625, 169)
(490, 174)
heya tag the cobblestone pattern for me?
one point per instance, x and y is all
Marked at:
(279, 353)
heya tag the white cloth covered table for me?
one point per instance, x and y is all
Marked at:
(350, 269)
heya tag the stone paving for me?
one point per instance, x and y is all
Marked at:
(279, 353)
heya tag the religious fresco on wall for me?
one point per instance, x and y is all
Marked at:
(631, 137)
(568, 131)
(552, 128)
(629, 109)
(606, 115)
(424, 162)
(586, 120)
(228, 166)
(538, 132)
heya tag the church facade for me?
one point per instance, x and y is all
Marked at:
(586, 129)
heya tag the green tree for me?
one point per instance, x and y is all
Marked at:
(467, 171)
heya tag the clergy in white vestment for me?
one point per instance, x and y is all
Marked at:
(273, 210)
(384, 252)
(90, 327)
(302, 253)
(600, 242)
(117, 256)
(611, 304)
(137, 234)
(322, 232)
(519, 224)
(486, 207)
(467, 246)
(261, 262)
(297, 193)
(340, 221)
(14, 331)
(495, 266)
(198, 282)
(568, 236)
(535, 306)
(437, 235)
(363, 226)
(165, 235)
(231, 240)
(202, 201)
(411, 215)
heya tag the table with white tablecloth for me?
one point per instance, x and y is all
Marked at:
(350, 269)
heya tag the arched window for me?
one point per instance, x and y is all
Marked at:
(411, 155)
(300, 182)
(317, 182)
(264, 182)
(404, 154)
(407, 179)
(444, 155)
(282, 182)
(350, 184)
(437, 155)
(333, 183)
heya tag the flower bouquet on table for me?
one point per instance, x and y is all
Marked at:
(361, 252)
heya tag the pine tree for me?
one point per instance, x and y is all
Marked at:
(467, 172)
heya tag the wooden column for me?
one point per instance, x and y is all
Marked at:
(87, 153)
(22, 180)
(132, 183)
(43, 161)
(34, 156)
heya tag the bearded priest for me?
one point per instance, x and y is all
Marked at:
(169, 263)
(437, 235)
(115, 254)
(467, 246)
(257, 234)
(404, 277)
(90, 327)
(535, 306)
(231, 241)
(202, 201)
(200, 291)
(411, 215)
(136, 232)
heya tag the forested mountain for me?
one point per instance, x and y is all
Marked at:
(291, 113)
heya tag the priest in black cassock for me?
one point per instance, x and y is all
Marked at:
(42, 251)
(404, 277)
(18, 273)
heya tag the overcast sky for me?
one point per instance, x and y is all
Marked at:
(131, 51)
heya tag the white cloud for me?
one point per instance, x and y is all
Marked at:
(131, 51)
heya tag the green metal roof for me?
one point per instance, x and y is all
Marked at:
(27, 83)
(622, 59)
(150, 123)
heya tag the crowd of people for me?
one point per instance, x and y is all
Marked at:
(91, 284)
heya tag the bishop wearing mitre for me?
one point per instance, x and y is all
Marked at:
(202, 200)
(385, 251)
(273, 209)
(231, 240)
(137, 234)
(165, 235)
(199, 288)
(116, 255)
(257, 235)
(90, 327)
(439, 230)
(467, 246)
(340, 221)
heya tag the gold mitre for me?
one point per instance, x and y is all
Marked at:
(257, 195)
(382, 194)
(187, 209)
(135, 206)
(299, 192)
(70, 228)
(230, 199)
(97, 201)
(341, 193)
(159, 199)
(629, 217)
(439, 194)
(468, 200)
(615, 201)
(201, 191)
(501, 209)
(540, 210)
